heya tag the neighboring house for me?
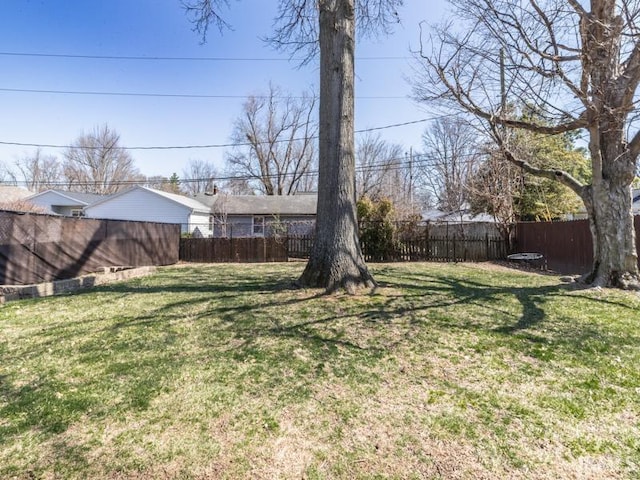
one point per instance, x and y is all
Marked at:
(62, 202)
(150, 205)
(461, 216)
(461, 222)
(260, 215)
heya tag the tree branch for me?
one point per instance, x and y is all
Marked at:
(553, 174)
(629, 80)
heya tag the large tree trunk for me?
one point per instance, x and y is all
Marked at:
(608, 201)
(615, 262)
(336, 258)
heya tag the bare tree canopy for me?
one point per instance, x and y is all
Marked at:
(452, 147)
(171, 184)
(296, 24)
(7, 175)
(97, 163)
(578, 65)
(327, 27)
(276, 135)
(379, 167)
(201, 176)
(494, 189)
(39, 172)
(383, 171)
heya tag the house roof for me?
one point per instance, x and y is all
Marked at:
(184, 200)
(80, 197)
(188, 202)
(13, 194)
(462, 216)
(304, 204)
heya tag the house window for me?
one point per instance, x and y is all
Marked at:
(77, 212)
(258, 226)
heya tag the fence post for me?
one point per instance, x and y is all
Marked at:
(455, 258)
(447, 240)
(486, 246)
(427, 253)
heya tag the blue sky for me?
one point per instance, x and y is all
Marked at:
(159, 28)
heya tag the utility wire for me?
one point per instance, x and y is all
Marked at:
(422, 160)
(181, 59)
(173, 95)
(211, 146)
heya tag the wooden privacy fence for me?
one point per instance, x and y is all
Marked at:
(281, 249)
(446, 249)
(567, 246)
(38, 248)
(299, 246)
(245, 250)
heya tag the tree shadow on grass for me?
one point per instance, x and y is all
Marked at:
(494, 312)
(240, 319)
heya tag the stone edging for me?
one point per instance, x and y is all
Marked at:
(111, 274)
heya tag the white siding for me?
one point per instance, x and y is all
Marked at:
(139, 204)
(49, 199)
(201, 222)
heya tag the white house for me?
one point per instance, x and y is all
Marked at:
(150, 205)
(61, 202)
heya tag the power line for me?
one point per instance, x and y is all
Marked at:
(181, 59)
(171, 95)
(208, 146)
(388, 165)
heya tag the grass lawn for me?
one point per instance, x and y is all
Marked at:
(226, 371)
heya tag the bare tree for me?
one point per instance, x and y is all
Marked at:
(276, 136)
(379, 168)
(170, 184)
(199, 177)
(40, 172)
(494, 189)
(383, 172)
(22, 206)
(328, 26)
(7, 176)
(451, 154)
(218, 219)
(97, 163)
(578, 64)
(237, 186)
